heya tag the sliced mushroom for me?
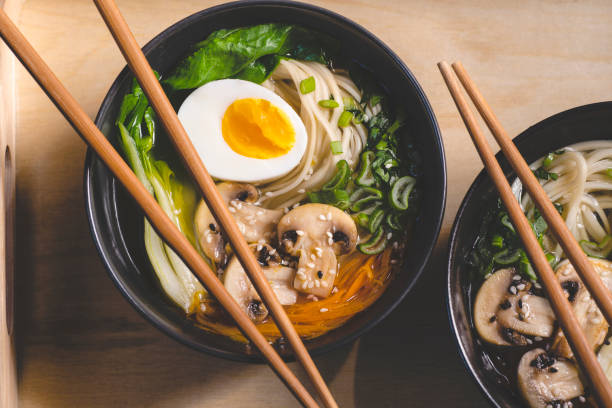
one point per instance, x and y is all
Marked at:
(528, 314)
(317, 233)
(506, 312)
(588, 314)
(255, 223)
(491, 295)
(546, 381)
(240, 287)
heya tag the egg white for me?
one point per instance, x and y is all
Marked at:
(201, 115)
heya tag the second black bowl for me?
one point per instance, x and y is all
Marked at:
(116, 223)
(590, 122)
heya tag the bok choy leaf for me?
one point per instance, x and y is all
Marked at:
(137, 134)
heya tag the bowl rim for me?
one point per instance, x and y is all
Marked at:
(437, 142)
(483, 177)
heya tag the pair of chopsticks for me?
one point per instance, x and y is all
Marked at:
(563, 310)
(164, 226)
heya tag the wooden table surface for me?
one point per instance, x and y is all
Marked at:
(82, 345)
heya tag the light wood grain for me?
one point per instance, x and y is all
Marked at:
(8, 368)
(564, 313)
(82, 344)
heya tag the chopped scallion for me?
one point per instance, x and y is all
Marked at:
(345, 119)
(307, 85)
(328, 103)
(336, 147)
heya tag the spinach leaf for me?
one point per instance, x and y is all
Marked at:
(249, 53)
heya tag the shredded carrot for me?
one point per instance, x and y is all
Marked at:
(360, 282)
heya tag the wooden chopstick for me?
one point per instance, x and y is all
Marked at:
(164, 226)
(600, 293)
(162, 106)
(585, 356)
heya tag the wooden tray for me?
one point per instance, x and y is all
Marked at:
(8, 370)
(80, 344)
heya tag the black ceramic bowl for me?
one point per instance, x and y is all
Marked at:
(590, 122)
(116, 223)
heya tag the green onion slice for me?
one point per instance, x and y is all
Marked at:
(376, 243)
(336, 147)
(340, 178)
(328, 103)
(345, 119)
(376, 218)
(307, 85)
(400, 191)
(365, 178)
(363, 197)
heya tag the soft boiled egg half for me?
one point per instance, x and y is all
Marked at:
(243, 131)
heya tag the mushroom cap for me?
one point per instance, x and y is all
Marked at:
(490, 295)
(255, 223)
(317, 233)
(242, 290)
(326, 224)
(528, 314)
(545, 380)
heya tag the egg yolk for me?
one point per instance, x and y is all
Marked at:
(255, 128)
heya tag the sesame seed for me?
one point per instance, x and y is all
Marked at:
(208, 239)
(322, 217)
(529, 341)
(537, 285)
(513, 290)
(566, 272)
(389, 235)
(520, 286)
(516, 277)
(301, 191)
(582, 399)
(232, 209)
(310, 264)
(299, 232)
(268, 193)
(304, 285)
(313, 257)
(335, 289)
(332, 272)
(319, 251)
(296, 205)
(272, 251)
(323, 310)
(259, 213)
(487, 276)
(330, 241)
(596, 320)
(329, 234)
(259, 247)
(537, 338)
(393, 261)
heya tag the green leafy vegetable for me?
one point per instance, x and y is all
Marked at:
(137, 135)
(249, 53)
(498, 244)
